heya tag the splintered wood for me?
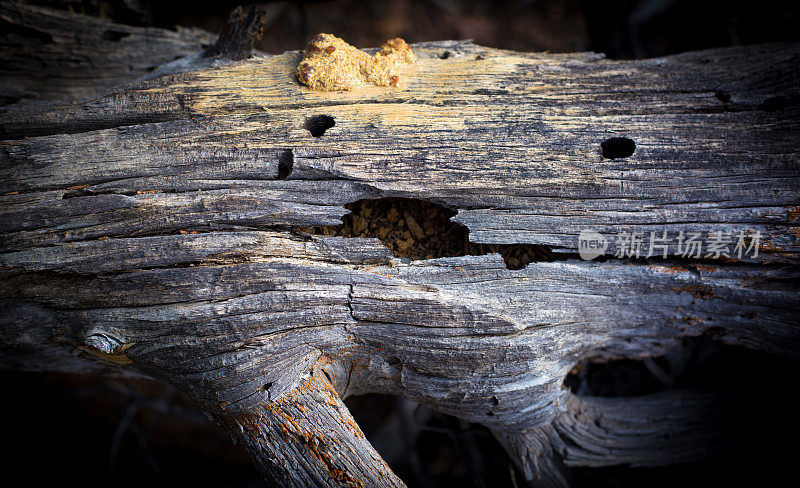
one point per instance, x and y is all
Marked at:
(330, 64)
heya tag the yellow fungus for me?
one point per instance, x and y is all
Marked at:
(331, 64)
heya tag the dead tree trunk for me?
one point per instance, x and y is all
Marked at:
(188, 228)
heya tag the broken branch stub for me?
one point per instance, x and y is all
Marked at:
(308, 438)
(239, 35)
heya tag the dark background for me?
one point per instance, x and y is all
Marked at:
(619, 28)
(97, 432)
(112, 432)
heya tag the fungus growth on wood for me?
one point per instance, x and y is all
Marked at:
(330, 64)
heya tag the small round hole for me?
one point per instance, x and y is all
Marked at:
(617, 147)
(318, 124)
(285, 164)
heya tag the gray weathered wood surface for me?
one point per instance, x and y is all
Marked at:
(154, 230)
(54, 56)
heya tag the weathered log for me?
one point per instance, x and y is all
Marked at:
(185, 228)
(55, 56)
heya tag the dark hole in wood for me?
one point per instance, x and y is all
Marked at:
(749, 415)
(445, 55)
(617, 147)
(699, 362)
(621, 377)
(267, 386)
(419, 229)
(318, 124)
(285, 164)
(723, 96)
(115, 35)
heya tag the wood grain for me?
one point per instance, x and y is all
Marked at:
(157, 225)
